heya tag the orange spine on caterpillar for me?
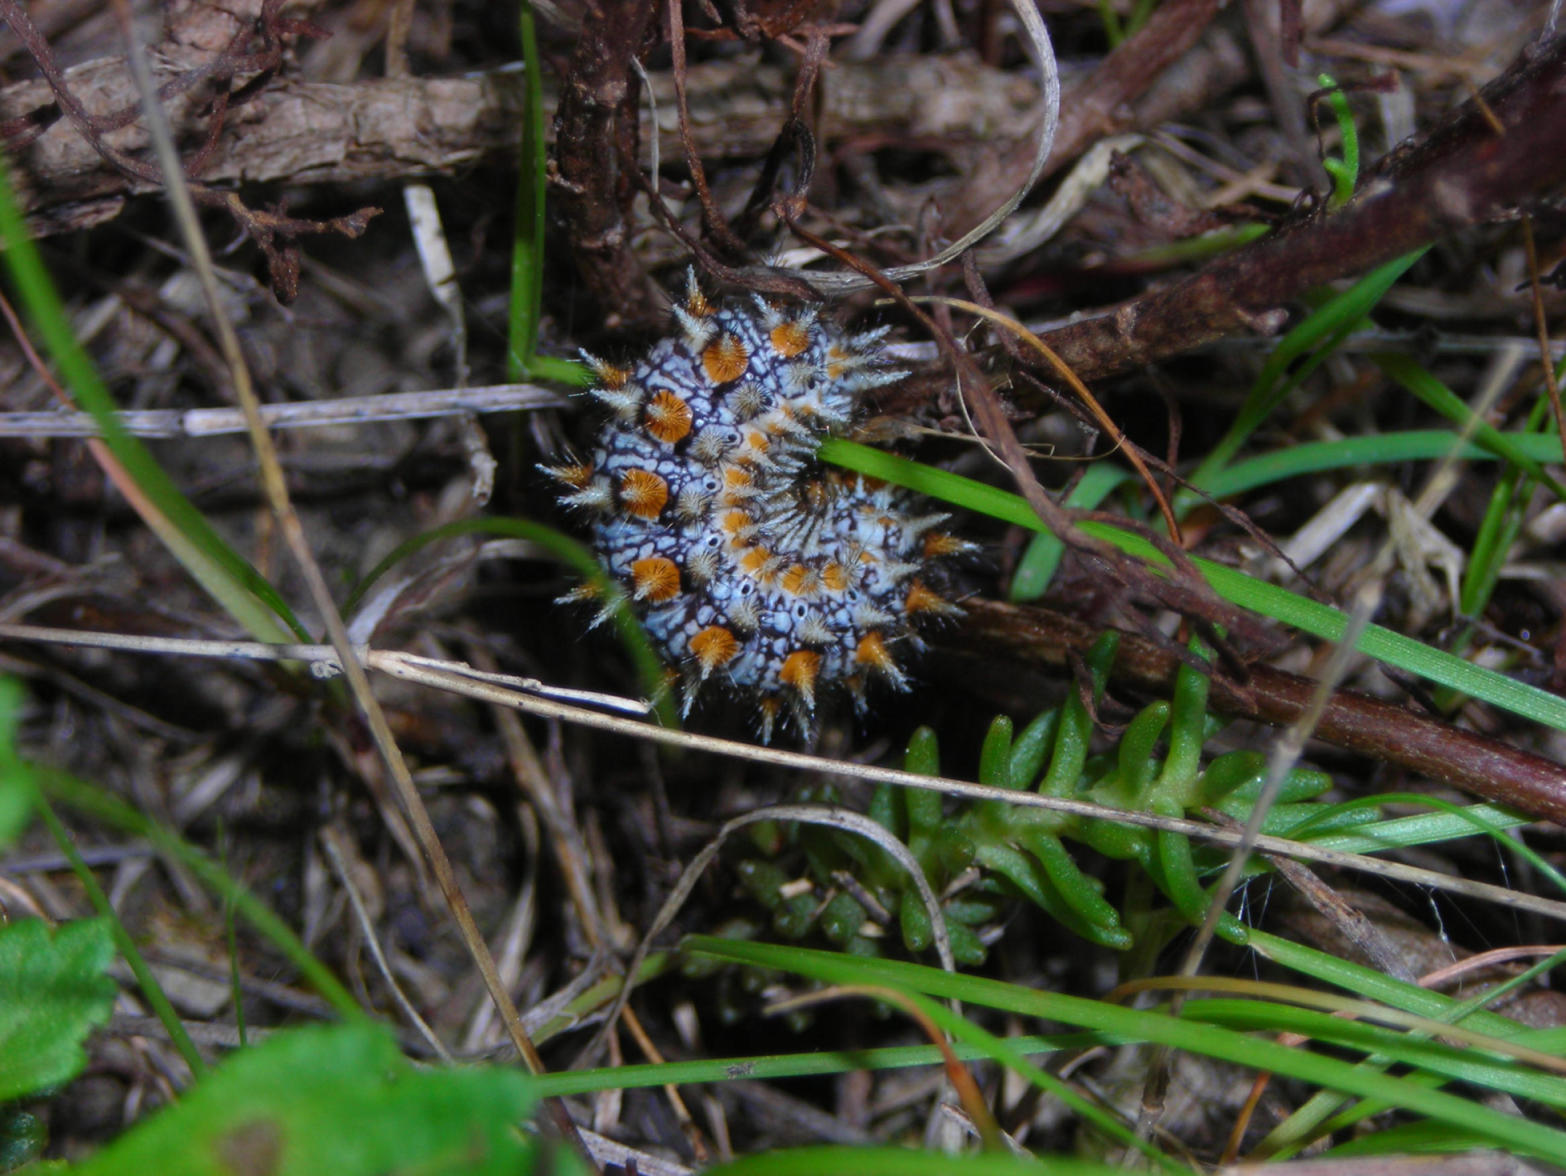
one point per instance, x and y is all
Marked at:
(751, 565)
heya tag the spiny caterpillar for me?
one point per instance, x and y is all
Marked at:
(750, 564)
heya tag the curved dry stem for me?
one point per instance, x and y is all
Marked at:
(808, 814)
(844, 282)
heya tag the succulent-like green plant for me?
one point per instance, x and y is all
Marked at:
(981, 855)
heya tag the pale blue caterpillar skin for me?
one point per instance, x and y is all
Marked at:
(749, 564)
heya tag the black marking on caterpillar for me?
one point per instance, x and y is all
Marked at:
(750, 564)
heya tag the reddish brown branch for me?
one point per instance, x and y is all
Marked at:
(1393, 734)
(712, 217)
(1463, 173)
(596, 149)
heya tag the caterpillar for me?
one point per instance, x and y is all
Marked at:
(750, 564)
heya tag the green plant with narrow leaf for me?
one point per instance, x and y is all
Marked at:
(16, 775)
(1344, 169)
(1157, 767)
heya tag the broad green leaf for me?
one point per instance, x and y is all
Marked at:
(338, 1101)
(54, 987)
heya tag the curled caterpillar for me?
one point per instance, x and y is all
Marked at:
(749, 563)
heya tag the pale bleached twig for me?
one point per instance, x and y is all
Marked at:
(310, 414)
(322, 660)
(457, 678)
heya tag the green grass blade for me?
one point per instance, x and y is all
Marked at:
(527, 245)
(1308, 1122)
(1037, 566)
(1474, 817)
(1004, 1052)
(1445, 1063)
(17, 790)
(768, 1067)
(222, 572)
(1289, 608)
(969, 1042)
(1442, 399)
(1369, 984)
(1303, 348)
(1377, 449)
(1150, 1026)
(156, 998)
(1504, 517)
(1314, 457)
(900, 1161)
(1423, 828)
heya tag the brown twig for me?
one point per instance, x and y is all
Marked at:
(1462, 174)
(712, 218)
(1179, 586)
(1541, 326)
(306, 132)
(596, 135)
(1393, 734)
